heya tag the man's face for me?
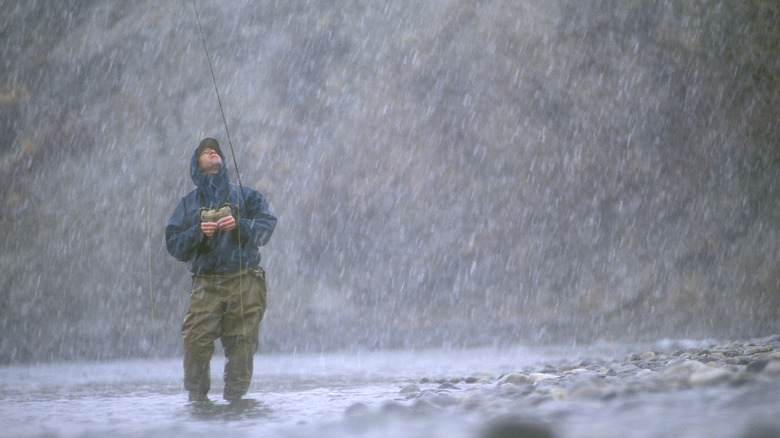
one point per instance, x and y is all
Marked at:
(209, 161)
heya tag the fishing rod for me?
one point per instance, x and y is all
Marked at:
(219, 101)
(235, 164)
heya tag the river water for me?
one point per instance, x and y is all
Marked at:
(360, 395)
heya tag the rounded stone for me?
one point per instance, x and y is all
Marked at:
(515, 379)
(710, 376)
(409, 389)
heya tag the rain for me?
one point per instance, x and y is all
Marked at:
(447, 174)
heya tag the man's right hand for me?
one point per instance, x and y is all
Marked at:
(208, 228)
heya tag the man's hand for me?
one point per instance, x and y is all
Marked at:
(208, 228)
(227, 223)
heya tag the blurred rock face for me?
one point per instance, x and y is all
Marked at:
(445, 173)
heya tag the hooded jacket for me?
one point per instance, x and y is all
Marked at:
(224, 251)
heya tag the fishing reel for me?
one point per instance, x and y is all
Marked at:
(213, 215)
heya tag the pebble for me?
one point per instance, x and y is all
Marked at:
(592, 388)
(681, 371)
(537, 377)
(443, 400)
(410, 389)
(710, 376)
(515, 379)
(772, 368)
(626, 368)
(357, 410)
(509, 428)
(448, 385)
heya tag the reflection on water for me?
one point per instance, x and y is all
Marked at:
(289, 393)
(245, 409)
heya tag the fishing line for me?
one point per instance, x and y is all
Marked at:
(238, 175)
(149, 255)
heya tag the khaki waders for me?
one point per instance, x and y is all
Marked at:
(230, 307)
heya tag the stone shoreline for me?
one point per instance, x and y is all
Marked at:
(724, 365)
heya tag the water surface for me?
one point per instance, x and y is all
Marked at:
(319, 394)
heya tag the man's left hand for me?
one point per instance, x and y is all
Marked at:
(227, 223)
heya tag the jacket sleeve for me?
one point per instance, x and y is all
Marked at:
(183, 234)
(258, 222)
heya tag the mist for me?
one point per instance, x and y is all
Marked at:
(445, 173)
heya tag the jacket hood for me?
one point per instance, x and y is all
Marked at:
(214, 188)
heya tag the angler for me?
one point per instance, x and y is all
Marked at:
(217, 229)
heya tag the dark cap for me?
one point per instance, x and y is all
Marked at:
(208, 143)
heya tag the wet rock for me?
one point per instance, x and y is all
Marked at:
(645, 374)
(448, 385)
(761, 431)
(584, 375)
(357, 410)
(772, 368)
(443, 400)
(546, 385)
(515, 379)
(513, 428)
(558, 393)
(626, 368)
(717, 356)
(472, 403)
(695, 351)
(586, 386)
(745, 360)
(424, 407)
(648, 356)
(410, 389)
(425, 393)
(757, 366)
(515, 391)
(588, 390)
(537, 377)
(680, 372)
(392, 407)
(711, 376)
(579, 371)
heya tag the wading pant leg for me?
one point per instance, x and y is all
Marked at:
(241, 325)
(202, 326)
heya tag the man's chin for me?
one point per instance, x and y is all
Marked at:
(214, 169)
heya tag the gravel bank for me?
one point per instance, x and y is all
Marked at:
(727, 389)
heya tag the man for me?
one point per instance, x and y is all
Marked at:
(218, 229)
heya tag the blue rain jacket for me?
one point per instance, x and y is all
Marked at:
(220, 253)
